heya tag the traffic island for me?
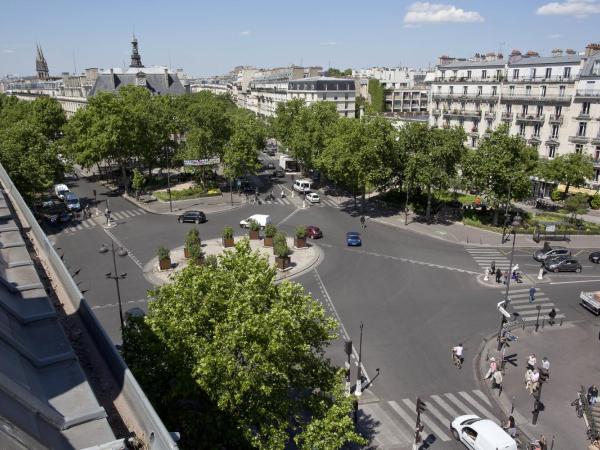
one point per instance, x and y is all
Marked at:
(301, 259)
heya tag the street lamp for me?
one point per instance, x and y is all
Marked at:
(116, 276)
(514, 225)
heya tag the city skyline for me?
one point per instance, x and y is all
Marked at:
(209, 39)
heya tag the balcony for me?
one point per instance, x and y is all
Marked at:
(507, 116)
(582, 116)
(436, 112)
(579, 139)
(593, 94)
(596, 139)
(548, 80)
(490, 115)
(524, 98)
(556, 119)
(468, 80)
(464, 113)
(466, 97)
(530, 118)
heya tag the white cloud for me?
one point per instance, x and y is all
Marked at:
(576, 8)
(330, 43)
(7, 51)
(554, 36)
(424, 12)
(245, 33)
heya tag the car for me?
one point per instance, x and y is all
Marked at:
(353, 239)
(261, 219)
(549, 253)
(313, 232)
(192, 216)
(481, 434)
(594, 257)
(270, 151)
(72, 202)
(312, 197)
(564, 263)
(60, 190)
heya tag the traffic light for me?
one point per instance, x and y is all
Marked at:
(421, 406)
(348, 347)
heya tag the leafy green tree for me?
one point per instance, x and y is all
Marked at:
(245, 354)
(333, 72)
(48, 116)
(433, 156)
(377, 96)
(285, 116)
(246, 140)
(577, 204)
(572, 169)
(138, 182)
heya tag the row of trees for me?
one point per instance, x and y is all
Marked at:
(370, 153)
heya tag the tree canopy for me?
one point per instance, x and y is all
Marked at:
(572, 169)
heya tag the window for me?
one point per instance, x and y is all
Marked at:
(597, 175)
(596, 68)
(527, 91)
(522, 129)
(597, 153)
(533, 73)
(567, 72)
(465, 90)
(499, 74)
(324, 96)
(515, 74)
(346, 96)
(536, 130)
(554, 132)
(579, 148)
(443, 73)
(585, 108)
(451, 89)
(494, 90)
(524, 109)
(509, 108)
(549, 72)
(557, 110)
(551, 151)
(335, 98)
(346, 105)
(484, 74)
(582, 129)
(511, 90)
(561, 91)
(479, 90)
(540, 110)
(489, 124)
(439, 89)
(468, 74)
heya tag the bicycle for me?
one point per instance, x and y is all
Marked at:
(578, 404)
(457, 360)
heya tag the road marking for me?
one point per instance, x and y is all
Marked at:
(376, 410)
(475, 403)
(445, 406)
(129, 253)
(396, 407)
(439, 416)
(436, 430)
(288, 216)
(482, 396)
(128, 302)
(578, 281)
(529, 306)
(126, 214)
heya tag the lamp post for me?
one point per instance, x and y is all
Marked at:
(115, 275)
(515, 223)
(358, 390)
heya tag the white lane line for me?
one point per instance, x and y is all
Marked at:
(526, 300)
(375, 410)
(407, 418)
(295, 211)
(141, 210)
(534, 311)
(476, 404)
(595, 280)
(120, 244)
(437, 431)
(482, 396)
(116, 215)
(86, 225)
(126, 214)
(445, 406)
(79, 227)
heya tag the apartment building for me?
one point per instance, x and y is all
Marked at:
(550, 101)
(341, 91)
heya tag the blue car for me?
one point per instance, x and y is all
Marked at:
(353, 239)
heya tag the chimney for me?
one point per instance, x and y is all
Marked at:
(515, 55)
(570, 51)
(557, 52)
(592, 49)
(532, 54)
(167, 77)
(444, 60)
(500, 56)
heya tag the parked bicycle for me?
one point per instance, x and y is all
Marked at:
(578, 404)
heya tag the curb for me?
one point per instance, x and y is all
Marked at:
(178, 211)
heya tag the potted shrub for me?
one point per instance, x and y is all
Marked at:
(192, 239)
(196, 253)
(254, 230)
(228, 237)
(270, 231)
(164, 258)
(281, 250)
(300, 237)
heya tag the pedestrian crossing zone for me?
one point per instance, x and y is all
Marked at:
(87, 224)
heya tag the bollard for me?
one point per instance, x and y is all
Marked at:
(487, 355)
(512, 404)
(543, 322)
(486, 273)
(561, 321)
(541, 274)
(552, 443)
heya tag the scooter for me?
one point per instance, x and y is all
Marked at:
(270, 196)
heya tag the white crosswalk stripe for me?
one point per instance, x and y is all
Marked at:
(440, 410)
(519, 302)
(90, 223)
(485, 256)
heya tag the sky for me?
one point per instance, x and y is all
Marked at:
(211, 37)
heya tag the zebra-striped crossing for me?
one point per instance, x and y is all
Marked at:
(519, 303)
(397, 418)
(484, 256)
(288, 201)
(91, 223)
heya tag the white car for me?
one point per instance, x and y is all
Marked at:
(261, 219)
(481, 434)
(61, 190)
(313, 197)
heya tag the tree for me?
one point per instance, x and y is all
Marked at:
(246, 140)
(577, 204)
(138, 182)
(333, 72)
(571, 170)
(243, 353)
(285, 116)
(377, 96)
(433, 156)
(500, 165)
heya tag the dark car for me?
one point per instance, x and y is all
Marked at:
(314, 232)
(595, 257)
(549, 253)
(192, 216)
(279, 173)
(353, 239)
(564, 263)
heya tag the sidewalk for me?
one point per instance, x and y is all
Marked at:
(591, 216)
(206, 204)
(572, 350)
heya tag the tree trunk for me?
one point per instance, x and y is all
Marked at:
(567, 186)
(428, 210)
(496, 215)
(364, 199)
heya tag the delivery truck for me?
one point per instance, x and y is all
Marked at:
(591, 301)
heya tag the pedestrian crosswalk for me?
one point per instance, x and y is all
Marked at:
(87, 224)
(519, 303)
(288, 201)
(484, 256)
(398, 418)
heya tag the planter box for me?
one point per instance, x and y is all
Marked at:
(186, 252)
(283, 263)
(254, 234)
(299, 242)
(228, 242)
(268, 242)
(164, 264)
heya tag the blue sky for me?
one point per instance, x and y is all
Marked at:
(212, 37)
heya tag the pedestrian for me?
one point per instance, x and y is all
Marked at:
(592, 395)
(535, 381)
(493, 266)
(528, 374)
(510, 427)
(542, 442)
(497, 381)
(505, 277)
(531, 294)
(552, 316)
(107, 214)
(492, 369)
(362, 222)
(531, 361)
(498, 275)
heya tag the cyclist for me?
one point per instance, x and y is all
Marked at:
(457, 353)
(362, 222)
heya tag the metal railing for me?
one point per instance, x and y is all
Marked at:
(155, 434)
(530, 118)
(587, 93)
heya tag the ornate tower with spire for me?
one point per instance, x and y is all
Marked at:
(136, 59)
(41, 66)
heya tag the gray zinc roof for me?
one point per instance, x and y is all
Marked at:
(497, 63)
(160, 84)
(45, 398)
(322, 84)
(546, 60)
(588, 67)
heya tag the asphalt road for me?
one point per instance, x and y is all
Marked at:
(416, 296)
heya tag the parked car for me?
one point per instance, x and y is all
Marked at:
(60, 190)
(279, 173)
(313, 232)
(353, 239)
(481, 434)
(261, 219)
(595, 257)
(192, 216)
(548, 253)
(72, 202)
(564, 263)
(312, 197)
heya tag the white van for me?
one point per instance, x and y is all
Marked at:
(302, 186)
(261, 219)
(481, 434)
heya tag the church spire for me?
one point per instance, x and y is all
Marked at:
(41, 66)
(136, 59)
